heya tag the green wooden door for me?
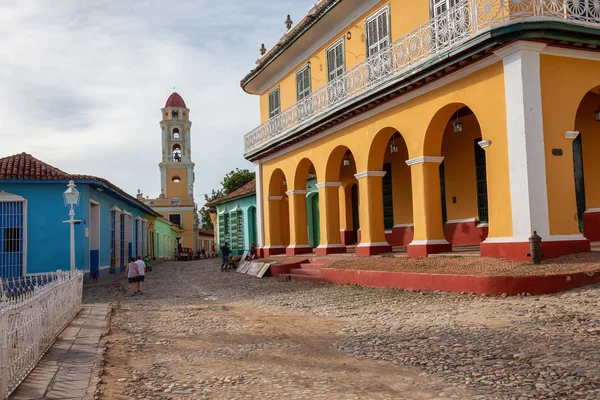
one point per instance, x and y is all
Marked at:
(316, 224)
(579, 182)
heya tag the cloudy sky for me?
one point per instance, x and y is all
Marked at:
(82, 82)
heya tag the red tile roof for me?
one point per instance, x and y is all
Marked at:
(246, 190)
(26, 167)
(175, 100)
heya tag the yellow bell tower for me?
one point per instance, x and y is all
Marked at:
(176, 201)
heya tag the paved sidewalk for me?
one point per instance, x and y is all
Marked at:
(66, 370)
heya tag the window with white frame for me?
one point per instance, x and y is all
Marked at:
(336, 64)
(377, 27)
(303, 83)
(441, 6)
(115, 237)
(13, 224)
(274, 103)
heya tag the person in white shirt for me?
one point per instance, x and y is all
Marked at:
(131, 273)
(141, 274)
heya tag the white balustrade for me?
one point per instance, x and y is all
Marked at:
(466, 20)
(33, 312)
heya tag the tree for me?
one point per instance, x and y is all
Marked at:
(205, 211)
(236, 179)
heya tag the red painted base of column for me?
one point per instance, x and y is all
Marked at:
(347, 237)
(294, 251)
(465, 233)
(365, 251)
(400, 236)
(423, 250)
(519, 250)
(268, 252)
(591, 226)
(324, 251)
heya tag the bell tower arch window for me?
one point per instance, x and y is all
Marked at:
(175, 114)
(176, 134)
(176, 153)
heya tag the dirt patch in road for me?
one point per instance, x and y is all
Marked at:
(222, 350)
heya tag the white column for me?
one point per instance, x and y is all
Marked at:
(259, 206)
(163, 180)
(525, 135)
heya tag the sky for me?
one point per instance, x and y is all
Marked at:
(82, 82)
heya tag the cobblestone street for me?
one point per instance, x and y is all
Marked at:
(199, 333)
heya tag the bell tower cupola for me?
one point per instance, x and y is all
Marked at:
(176, 167)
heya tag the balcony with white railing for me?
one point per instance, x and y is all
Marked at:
(459, 24)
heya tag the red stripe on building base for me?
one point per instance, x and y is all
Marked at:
(324, 251)
(519, 250)
(294, 251)
(465, 233)
(490, 285)
(423, 250)
(365, 251)
(272, 251)
(591, 226)
(400, 236)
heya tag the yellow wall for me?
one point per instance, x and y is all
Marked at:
(180, 189)
(404, 17)
(482, 91)
(459, 162)
(565, 81)
(589, 129)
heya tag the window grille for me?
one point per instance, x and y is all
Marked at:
(115, 239)
(274, 103)
(303, 83)
(12, 238)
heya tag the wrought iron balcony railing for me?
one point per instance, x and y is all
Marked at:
(466, 20)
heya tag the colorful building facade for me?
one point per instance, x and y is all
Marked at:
(429, 124)
(176, 201)
(235, 221)
(113, 226)
(166, 238)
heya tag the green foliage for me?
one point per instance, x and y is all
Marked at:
(236, 179)
(205, 211)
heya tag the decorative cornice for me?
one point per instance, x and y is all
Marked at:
(365, 174)
(293, 192)
(425, 159)
(268, 198)
(571, 134)
(484, 144)
(327, 184)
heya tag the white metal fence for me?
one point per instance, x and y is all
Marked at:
(464, 21)
(33, 312)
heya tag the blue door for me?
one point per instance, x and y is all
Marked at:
(95, 262)
(11, 238)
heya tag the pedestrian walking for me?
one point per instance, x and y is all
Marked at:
(141, 267)
(225, 253)
(131, 273)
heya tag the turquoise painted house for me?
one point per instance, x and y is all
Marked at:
(236, 219)
(33, 238)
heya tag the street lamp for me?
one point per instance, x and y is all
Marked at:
(71, 196)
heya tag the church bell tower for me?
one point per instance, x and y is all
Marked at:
(176, 168)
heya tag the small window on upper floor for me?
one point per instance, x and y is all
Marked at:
(176, 179)
(303, 83)
(378, 31)
(335, 60)
(274, 103)
(176, 134)
(175, 114)
(176, 153)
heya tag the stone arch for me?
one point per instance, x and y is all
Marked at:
(278, 234)
(335, 161)
(304, 168)
(277, 183)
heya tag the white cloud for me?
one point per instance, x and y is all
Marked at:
(82, 82)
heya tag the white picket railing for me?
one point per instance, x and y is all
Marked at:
(33, 312)
(464, 21)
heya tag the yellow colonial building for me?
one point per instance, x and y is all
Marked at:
(176, 201)
(428, 124)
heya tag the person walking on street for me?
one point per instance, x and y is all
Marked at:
(141, 266)
(225, 252)
(132, 275)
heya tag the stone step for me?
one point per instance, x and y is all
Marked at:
(302, 278)
(320, 261)
(305, 271)
(310, 266)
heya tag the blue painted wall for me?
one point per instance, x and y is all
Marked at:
(48, 238)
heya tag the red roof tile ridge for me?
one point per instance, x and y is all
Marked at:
(246, 190)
